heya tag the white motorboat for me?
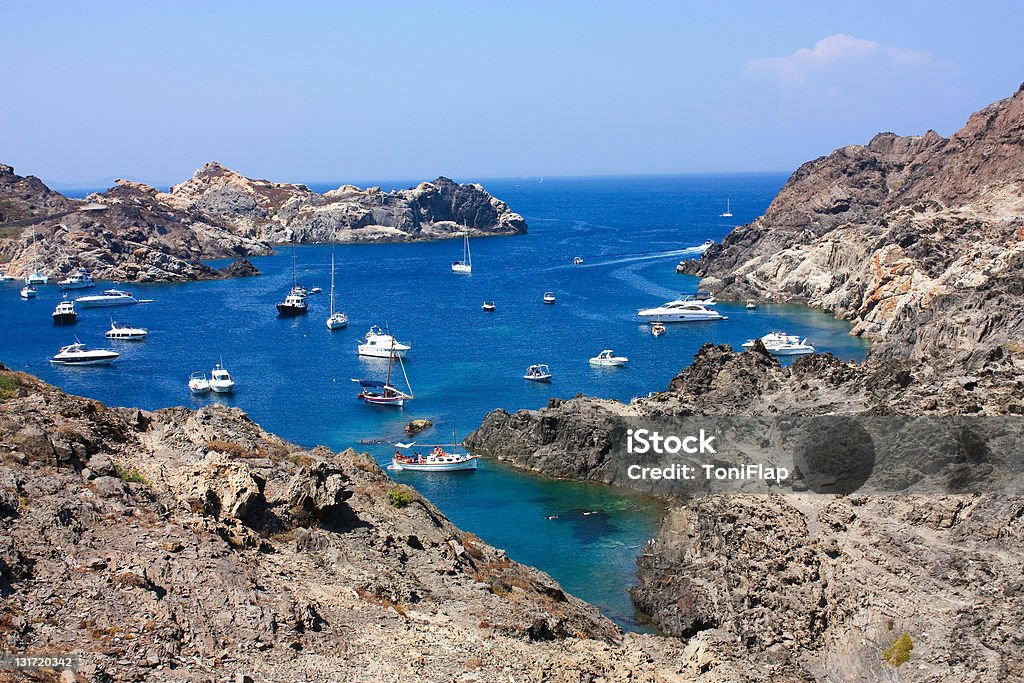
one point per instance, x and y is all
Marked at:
(465, 266)
(728, 210)
(751, 305)
(657, 329)
(315, 290)
(125, 332)
(65, 313)
(538, 373)
(680, 311)
(80, 280)
(488, 306)
(198, 384)
(782, 344)
(35, 277)
(78, 354)
(28, 292)
(379, 344)
(292, 306)
(609, 359)
(549, 297)
(578, 261)
(109, 297)
(438, 460)
(337, 319)
(220, 380)
(376, 392)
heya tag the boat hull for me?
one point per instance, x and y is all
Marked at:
(222, 388)
(65, 318)
(336, 323)
(678, 317)
(86, 302)
(126, 337)
(469, 463)
(102, 360)
(462, 269)
(380, 352)
(291, 311)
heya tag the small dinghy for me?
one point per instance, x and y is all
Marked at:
(549, 297)
(657, 329)
(198, 384)
(488, 306)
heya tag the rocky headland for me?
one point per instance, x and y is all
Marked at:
(918, 241)
(192, 545)
(137, 233)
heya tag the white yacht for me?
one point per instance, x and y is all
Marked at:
(751, 305)
(488, 306)
(65, 313)
(35, 277)
(578, 261)
(220, 380)
(28, 292)
(465, 266)
(782, 344)
(125, 332)
(728, 210)
(293, 305)
(109, 297)
(549, 297)
(198, 384)
(609, 359)
(337, 319)
(681, 311)
(80, 280)
(379, 344)
(78, 354)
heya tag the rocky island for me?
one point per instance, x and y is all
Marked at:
(136, 233)
(918, 241)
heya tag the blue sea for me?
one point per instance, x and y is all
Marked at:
(294, 375)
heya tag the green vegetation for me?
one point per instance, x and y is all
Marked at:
(898, 652)
(399, 498)
(8, 386)
(129, 474)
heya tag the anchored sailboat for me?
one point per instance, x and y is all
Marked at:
(466, 264)
(35, 278)
(383, 393)
(337, 320)
(728, 210)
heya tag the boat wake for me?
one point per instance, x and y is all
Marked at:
(614, 259)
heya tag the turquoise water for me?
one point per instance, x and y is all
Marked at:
(294, 375)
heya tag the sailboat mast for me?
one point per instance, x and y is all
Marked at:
(332, 284)
(468, 255)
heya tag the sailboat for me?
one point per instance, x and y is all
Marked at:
(337, 320)
(466, 264)
(36, 278)
(383, 393)
(728, 211)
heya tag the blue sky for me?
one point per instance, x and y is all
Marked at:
(336, 91)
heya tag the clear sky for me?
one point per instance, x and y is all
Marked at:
(335, 91)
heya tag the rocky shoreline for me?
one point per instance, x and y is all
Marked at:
(919, 242)
(136, 233)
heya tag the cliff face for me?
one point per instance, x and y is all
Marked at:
(195, 546)
(918, 240)
(134, 232)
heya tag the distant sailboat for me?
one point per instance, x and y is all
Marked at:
(383, 393)
(464, 266)
(36, 278)
(338, 319)
(728, 211)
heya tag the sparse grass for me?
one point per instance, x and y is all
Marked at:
(898, 652)
(226, 447)
(9, 386)
(129, 474)
(398, 498)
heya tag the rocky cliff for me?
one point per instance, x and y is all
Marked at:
(134, 232)
(918, 240)
(181, 545)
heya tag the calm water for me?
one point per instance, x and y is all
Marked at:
(294, 375)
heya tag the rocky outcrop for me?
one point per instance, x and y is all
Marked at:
(134, 232)
(195, 546)
(918, 240)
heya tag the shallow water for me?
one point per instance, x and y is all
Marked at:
(294, 375)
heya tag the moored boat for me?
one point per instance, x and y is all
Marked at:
(28, 292)
(79, 354)
(35, 277)
(538, 373)
(690, 308)
(79, 280)
(65, 313)
(782, 344)
(337, 319)
(109, 297)
(379, 344)
(549, 297)
(751, 305)
(578, 261)
(376, 392)
(220, 380)
(198, 384)
(438, 460)
(488, 306)
(657, 329)
(125, 332)
(292, 306)
(465, 266)
(608, 358)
